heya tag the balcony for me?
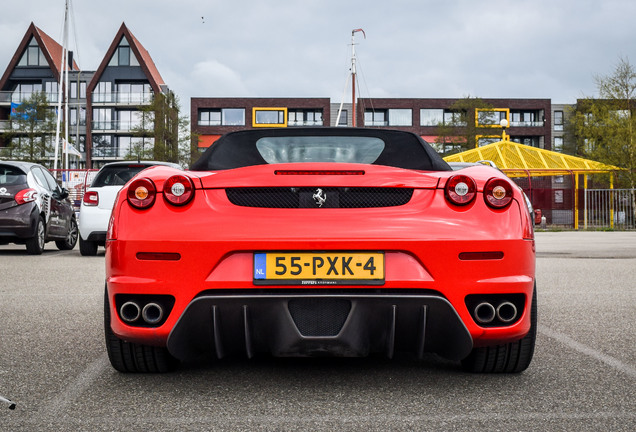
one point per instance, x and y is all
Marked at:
(118, 126)
(305, 123)
(527, 124)
(7, 97)
(118, 98)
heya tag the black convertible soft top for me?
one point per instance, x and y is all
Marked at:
(251, 147)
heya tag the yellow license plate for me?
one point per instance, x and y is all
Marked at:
(313, 268)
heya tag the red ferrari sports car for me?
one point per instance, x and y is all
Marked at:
(320, 242)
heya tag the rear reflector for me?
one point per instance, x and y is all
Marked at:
(158, 256)
(319, 172)
(475, 256)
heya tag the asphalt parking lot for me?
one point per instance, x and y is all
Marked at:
(53, 362)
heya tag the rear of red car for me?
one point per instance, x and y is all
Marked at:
(306, 259)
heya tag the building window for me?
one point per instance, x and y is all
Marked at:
(269, 117)
(33, 55)
(558, 120)
(526, 118)
(558, 144)
(431, 117)
(102, 119)
(438, 117)
(103, 146)
(128, 120)
(304, 118)
(73, 90)
(388, 117)
(25, 91)
(343, 120)
(400, 117)
(454, 118)
(73, 120)
(375, 118)
(222, 117)
(491, 117)
(209, 117)
(123, 55)
(486, 140)
(103, 92)
(134, 146)
(529, 141)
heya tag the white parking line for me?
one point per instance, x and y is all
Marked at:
(58, 404)
(584, 349)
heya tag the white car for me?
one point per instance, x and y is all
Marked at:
(99, 198)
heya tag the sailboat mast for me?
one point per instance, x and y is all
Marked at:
(353, 73)
(63, 69)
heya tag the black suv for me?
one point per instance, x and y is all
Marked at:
(34, 209)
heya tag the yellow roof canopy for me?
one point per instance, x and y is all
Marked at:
(521, 160)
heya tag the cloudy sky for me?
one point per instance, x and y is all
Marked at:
(413, 48)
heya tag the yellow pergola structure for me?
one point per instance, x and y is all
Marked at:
(518, 160)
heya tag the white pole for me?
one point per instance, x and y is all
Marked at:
(59, 86)
(66, 119)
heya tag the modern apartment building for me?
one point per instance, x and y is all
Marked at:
(213, 117)
(104, 117)
(126, 80)
(529, 120)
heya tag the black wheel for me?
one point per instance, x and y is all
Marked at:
(131, 357)
(512, 357)
(35, 245)
(71, 237)
(87, 248)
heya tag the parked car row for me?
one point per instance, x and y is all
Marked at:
(35, 209)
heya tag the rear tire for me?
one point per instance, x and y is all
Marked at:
(71, 237)
(129, 357)
(35, 245)
(513, 357)
(87, 248)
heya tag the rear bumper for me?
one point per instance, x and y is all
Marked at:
(93, 223)
(316, 325)
(18, 223)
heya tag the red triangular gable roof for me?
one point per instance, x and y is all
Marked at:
(51, 49)
(145, 61)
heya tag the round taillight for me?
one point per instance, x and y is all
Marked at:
(178, 190)
(460, 189)
(498, 193)
(141, 193)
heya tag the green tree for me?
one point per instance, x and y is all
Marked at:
(604, 128)
(458, 132)
(163, 133)
(31, 130)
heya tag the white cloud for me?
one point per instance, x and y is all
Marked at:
(213, 78)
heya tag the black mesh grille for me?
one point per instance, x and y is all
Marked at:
(310, 197)
(319, 316)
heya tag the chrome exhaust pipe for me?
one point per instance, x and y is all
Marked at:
(485, 313)
(129, 311)
(152, 313)
(506, 312)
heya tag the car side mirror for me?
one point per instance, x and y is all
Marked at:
(62, 194)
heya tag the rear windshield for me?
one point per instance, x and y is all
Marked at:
(117, 175)
(333, 145)
(11, 176)
(320, 149)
